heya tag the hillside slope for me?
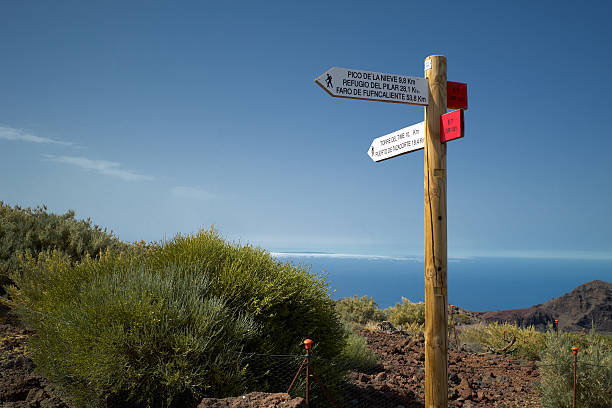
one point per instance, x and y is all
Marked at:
(589, 303)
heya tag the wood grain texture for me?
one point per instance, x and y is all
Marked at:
(436, 342)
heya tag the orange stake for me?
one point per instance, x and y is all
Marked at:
(307, 344)
(575, 351)
(309, 372)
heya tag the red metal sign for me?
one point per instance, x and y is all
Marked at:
(456, 95)
(451, 126)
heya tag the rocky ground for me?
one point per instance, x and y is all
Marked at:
(255, 400)
(20, 387)
(475, 379)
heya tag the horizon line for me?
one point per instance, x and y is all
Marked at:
(414, 258)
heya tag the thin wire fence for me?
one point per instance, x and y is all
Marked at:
(331, 383)
(347, 390)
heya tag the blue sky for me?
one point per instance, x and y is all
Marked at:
(158, 118)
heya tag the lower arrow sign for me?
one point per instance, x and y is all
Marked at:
(406, 140)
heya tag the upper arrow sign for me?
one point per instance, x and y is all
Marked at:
(374, 86)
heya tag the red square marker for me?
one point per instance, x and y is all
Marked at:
(456, 95)
(451, 126)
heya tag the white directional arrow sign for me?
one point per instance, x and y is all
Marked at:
(400, 142)
(374, 86)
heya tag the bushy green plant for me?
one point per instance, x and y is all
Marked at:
(528, 342)
(583, 340)
(462, 318)
(27, 230)
(287, 302)
(356, 354)
(360, 310)
(414, 328)
(406, 313)
(593, 375)
(132, 334)
(130, 338)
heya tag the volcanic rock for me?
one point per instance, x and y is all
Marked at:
(588, 304)
(255, 400)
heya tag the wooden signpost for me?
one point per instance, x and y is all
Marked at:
(436, 94)
(436, 302)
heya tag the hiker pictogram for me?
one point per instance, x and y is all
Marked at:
(328, 81)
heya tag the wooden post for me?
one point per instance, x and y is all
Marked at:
(436, 345)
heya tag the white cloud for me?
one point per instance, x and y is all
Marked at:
(342, 256)
(19, 135)
(104, 167)
(192, 193)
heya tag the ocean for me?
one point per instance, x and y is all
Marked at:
(477, 284)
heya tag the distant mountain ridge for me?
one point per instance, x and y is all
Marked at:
(588, 304)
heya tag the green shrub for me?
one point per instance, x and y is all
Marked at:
(287, 302)
(26, 230)
(406, 313)
(593, 375)
(360, 310)
(356, 354)
(159, 326)
(495, 336)
(138, 340)
(462, 318)
(584, 340)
